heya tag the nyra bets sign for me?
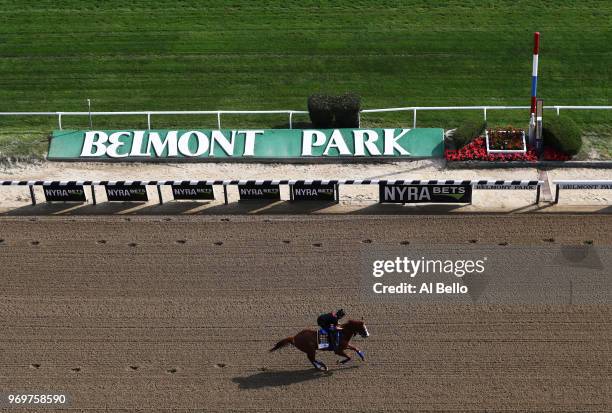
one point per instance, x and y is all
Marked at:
(173, 145)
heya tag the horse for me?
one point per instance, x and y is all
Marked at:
(306, 341)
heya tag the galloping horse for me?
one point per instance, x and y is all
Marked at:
(306, 341)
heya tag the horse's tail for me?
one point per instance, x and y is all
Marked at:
(284, 342)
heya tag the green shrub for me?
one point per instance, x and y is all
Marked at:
(468, 131)
(320, 109)
(328, 111)
(346, 110)
(562, 134)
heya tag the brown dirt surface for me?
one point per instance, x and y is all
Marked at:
(161, 313)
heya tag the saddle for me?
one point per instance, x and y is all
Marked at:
(323, 339)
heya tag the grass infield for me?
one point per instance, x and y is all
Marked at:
(181, 55)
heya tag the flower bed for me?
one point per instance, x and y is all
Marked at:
(551, 154)
(476, 151)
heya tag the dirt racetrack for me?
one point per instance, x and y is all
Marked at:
(160, 313)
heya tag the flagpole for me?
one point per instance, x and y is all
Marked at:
(534, 86)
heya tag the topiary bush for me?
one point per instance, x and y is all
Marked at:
(328, 111)
(562, 134)
(346, 110)
(320, 109)
(468, 131)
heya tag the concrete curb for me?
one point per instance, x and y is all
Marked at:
(523, 164)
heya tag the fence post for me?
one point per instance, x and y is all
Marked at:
(219, 120)
(557, 110)
(32, 195)
(89, 109)
(414, 118)
(290, 120)
(159, 194)
(485, 114)
(148, 121)
(59, 120)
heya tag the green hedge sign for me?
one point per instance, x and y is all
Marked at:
(280, 144)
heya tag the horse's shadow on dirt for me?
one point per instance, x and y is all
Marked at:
(284, 378)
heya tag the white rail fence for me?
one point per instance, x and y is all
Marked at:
(580, 184)
(291, 113)
(478, 184)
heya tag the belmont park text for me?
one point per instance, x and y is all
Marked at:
(270, 143)
(99, 143)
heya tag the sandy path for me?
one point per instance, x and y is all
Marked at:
(424, 169)
(164, 324)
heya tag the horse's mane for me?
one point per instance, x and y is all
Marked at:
(352, 322)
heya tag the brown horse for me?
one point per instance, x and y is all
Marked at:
(306, 341)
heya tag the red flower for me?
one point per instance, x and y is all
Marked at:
(476, 150)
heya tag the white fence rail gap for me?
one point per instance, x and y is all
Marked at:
(290, 113)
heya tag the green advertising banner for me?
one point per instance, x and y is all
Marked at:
(279, 144)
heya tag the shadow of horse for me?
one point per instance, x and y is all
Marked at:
(284, 378)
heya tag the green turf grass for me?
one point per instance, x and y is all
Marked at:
(181, 55)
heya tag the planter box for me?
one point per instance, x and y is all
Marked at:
(522, 150)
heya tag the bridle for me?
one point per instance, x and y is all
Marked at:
(363, 332)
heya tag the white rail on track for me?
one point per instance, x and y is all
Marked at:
(580, 184)
(474, 183)
(290, 113)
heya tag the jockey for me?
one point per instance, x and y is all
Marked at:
(329, 323)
